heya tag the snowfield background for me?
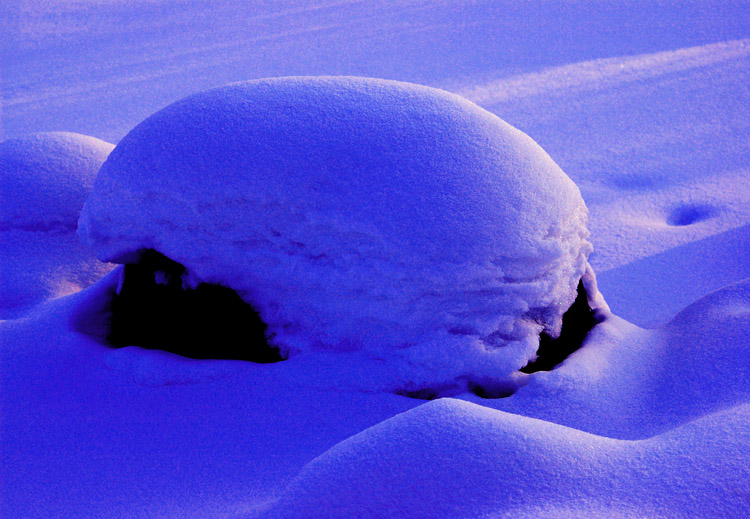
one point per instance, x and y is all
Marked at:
(644, 105)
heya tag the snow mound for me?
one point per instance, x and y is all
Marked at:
(395, 222)
(450, 458)
(46, 178)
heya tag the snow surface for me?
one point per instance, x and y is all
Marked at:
(45, 179)
(450, 458)
(658, 141)
(398, 222)
(645, 105)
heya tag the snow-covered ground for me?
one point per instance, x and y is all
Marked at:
(644, 105)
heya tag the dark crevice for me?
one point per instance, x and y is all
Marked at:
(421, 394)
(577, 321)
(490, 390)
(431, 393)
(154, 310)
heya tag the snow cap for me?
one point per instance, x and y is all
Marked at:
(395, 222)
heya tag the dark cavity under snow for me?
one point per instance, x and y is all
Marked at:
(577, 321)
(153, 310)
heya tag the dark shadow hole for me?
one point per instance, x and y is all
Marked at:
(576, 323)
(481, 388)
(420, 394)
(689, 214)
(153, 310)
(491, 390)
(431, 393)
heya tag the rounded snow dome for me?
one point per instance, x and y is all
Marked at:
(45, 179)
(395, 223)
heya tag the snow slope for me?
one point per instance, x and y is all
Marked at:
(450, 458)
(89, 431)
(659, 138)
(643, 104)
(636, 290)
(635, 423)
(99, 67)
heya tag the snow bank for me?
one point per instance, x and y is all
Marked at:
(450, 458)
(677, 277)
(399, 223)
(46, 178)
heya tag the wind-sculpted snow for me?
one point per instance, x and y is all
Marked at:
(456, 459)
(45, 179)
(397, 222)
(656, 142)
(637, 423)
(692, 270)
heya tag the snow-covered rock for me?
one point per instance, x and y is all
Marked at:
(46, 178)
(400, 224)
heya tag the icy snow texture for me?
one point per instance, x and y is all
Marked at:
(387, 218)
(45, 179)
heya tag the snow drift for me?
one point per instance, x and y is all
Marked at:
(398, 223)
(46, 178)
(451, 458)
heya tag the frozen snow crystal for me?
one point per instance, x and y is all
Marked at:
(397, 224)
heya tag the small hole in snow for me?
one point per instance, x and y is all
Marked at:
(153, 310)
(577, 321)
(689, 214)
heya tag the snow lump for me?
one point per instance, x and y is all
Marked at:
(46, 178)
(393, 230)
